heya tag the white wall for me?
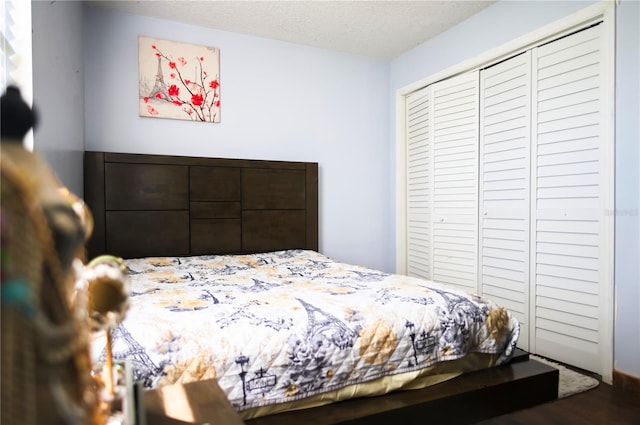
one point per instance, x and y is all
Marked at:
(508, 20)
(58, 88)
(279, 101)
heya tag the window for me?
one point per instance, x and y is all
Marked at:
(15, 49)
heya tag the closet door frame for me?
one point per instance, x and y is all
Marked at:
(600, 12)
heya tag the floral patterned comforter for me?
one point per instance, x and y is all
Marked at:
(286, 325)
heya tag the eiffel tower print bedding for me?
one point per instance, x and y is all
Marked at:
(289, 325)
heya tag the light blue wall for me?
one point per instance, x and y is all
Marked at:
(627, 245)
(508, 20)
(279, 101)
(58, 88)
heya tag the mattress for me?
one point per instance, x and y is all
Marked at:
(295, 328)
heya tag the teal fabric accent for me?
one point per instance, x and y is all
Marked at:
(16, 292)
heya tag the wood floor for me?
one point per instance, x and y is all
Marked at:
(600, 406)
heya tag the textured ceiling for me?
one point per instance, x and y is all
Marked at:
(378, 29)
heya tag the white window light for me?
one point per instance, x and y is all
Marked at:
(15, 46)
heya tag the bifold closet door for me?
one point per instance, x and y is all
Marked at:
(442, 182)
(419, 182)
(568, 255)
(504, 186)
(454, 141)
(509, 182)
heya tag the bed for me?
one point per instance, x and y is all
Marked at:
(227, 283)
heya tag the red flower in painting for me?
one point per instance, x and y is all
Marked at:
(197, 99)
(174, 90)
(198, 96)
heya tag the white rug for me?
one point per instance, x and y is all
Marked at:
(571, 382)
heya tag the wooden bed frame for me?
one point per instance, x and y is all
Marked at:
(155, 205)
(152, 205)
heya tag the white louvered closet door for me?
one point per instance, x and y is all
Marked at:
(419, 184)
(504, 186)
(568, 254)
(510, 180)
(455, 181)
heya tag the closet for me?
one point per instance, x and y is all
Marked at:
(508, 181)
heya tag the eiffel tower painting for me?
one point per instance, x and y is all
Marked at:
(125, 346)
(159, 90)
(178, 80)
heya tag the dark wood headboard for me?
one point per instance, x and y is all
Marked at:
(157, 205)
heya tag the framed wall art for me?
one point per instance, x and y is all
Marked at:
(178, 80)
